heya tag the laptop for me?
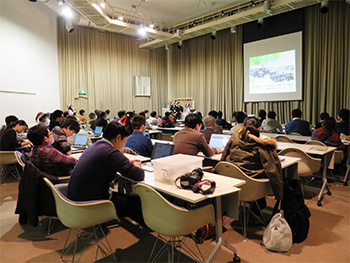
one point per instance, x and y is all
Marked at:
(219, 140)
(159, 150)
(79, 143)
(98, 131)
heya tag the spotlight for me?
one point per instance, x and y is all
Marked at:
(324, 7)
(178, 33)
(60, 2)
(267, 6)
(142, 30)
(260, 23)
(233, 29)
(69, 25)
(121, 18)
(179, 45)
(67, 12)
(213, 35)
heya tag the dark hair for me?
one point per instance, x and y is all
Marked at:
(92, 114)
(21, 123)
(192, 120)
(81, 112)
(344, 114)
(153, 114)
(102, 114)
(65, 114)
(130, 114)
(296, 113)
(199, 114)
(234, 114)
(10, 118)
(142, 113)
(271, 115)
(213, 113)
(121, 113)
(72, 123)
(240, 116)
(97, 112)
(262, 114)
(220, 114)
(166, 115)
(37, 133)
(146, 111)
(324, 115)
(138, 121)
(43, 117)
(108, 112)
(113, 129)
(56, 114)
(250, 126)
(329, 126)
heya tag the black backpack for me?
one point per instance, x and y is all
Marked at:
(295, 211)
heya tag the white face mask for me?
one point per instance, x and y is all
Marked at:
(47, 121)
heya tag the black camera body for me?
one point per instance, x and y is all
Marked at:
(193, 181)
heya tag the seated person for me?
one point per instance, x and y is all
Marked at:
(82, 119)
(9, 121)
(240, 116)
(121, 114)
(8, 141)
(323, 115)
(44, 156)
(56, 119)
(297, 124)
(327, 134)
(271, 124)
(217, 127)
(222, 122)
(190, 141)
(255, 156)
(138, 142)
(154, 119)
(98, 166)
(102, 120)
(262, 116)
(209, 124)
(166, 120)
(42, 117)
(343, 124)
(92, 120)
(60, 135)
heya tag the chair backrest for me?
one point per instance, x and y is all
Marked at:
(129, 151)
(282, 138)
(253, 189)
(296, 133)
(307, 166)
(80, 214)
(314, 142)
(168, 219)
(7, 157)
(338, 156)
(19, 158)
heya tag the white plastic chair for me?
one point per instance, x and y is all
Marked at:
(170, 220)
(282, 138)
(81, 215)
(251, 191)
(314, 142)
(8, 165)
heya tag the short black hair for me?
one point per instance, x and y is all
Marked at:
(262, 114)
(220, 114)
(240, 116)
(91, 115)
(271, 115)
(153, 114)
(43, 117)
(146, 111)
(121, 113)
(192, 120)
(72, 123)
(108, 112)
(57, 114)
(81, 112)
(344, 114)
(37, 133)
(65, 114)
(10, 119)
(324, 115)
(138, 121)
(113, 129)
(213, 113)
(21, 123)
(142, 113)
(102, 114)
(296, 113)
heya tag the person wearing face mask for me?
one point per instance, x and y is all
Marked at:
(44, 156)
(9, 140)
(60, 135)
(42, 117)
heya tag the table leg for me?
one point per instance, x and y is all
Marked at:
(326, 159)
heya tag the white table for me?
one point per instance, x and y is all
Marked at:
(295, 138)
(226, 188)
(326, 153)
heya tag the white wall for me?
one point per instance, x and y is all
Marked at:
(28, 60)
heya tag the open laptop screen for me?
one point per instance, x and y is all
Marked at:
(162, 150)
(219, 140)
(98, 130)
(80, 139)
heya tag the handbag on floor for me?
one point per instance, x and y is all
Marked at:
(278, 235)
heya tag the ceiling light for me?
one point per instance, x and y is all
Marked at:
(178, 33)
(179, 45)
(213, 35)
(260, 23)
(267, 5)
(324, 7)
(67, 12)
(151, 26)
(69, 25)
(60, 2)
(233, 29)
(142, 30)
(121, 18)
(103, 4)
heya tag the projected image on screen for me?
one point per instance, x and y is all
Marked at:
(272, 73)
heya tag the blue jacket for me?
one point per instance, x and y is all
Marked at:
(96, 168)
(300, 126)
(140, 144)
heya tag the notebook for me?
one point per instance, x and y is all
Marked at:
(98, 131)
(159, 150)
(219, 140)
(79, 142)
